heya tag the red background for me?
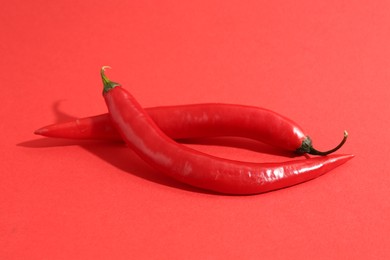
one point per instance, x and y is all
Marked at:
(325, 64)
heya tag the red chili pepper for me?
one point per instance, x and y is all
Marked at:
(201, 120)
(195, 168)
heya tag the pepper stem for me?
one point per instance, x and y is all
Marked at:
(307, 146)
(107, 84)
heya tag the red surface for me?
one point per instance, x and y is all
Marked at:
(324, 64)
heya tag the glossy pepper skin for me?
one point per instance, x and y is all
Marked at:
(199, 120)
(198, 169)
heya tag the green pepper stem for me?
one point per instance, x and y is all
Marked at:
(313, 151)
(107, 84)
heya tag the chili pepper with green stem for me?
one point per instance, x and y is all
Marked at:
(201, 120)
(198, 169)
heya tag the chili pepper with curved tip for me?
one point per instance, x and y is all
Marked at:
(198, 169)
(201, 120)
